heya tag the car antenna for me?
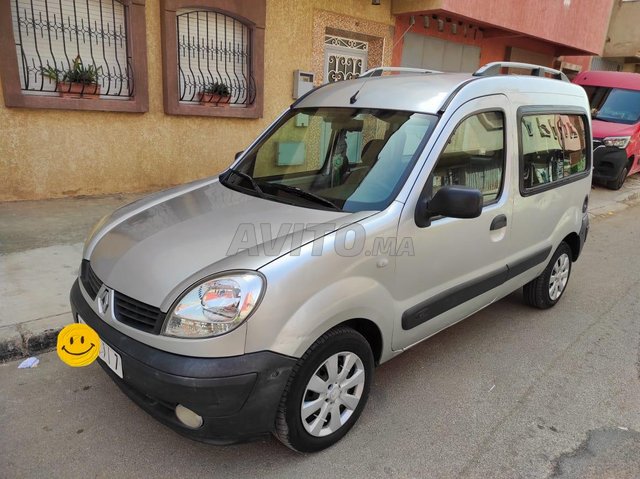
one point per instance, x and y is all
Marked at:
(354, 97)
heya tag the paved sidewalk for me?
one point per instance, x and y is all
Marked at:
(604, 202)
(41, 248)
(40, 252)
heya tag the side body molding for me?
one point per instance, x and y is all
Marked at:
(429, 309)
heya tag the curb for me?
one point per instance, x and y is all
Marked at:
(605, 211)
(24, 340)
(633, 198)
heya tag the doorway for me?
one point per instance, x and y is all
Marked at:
(344, 58)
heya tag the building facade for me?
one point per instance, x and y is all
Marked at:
(458, 35)
(106, 96)
(622, 46)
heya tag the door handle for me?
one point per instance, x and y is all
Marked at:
(498, 222)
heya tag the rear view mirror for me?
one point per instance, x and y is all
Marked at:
(456, 202)
(452, 201)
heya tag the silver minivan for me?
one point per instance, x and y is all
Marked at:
(372, 214)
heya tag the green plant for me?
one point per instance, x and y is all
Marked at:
(78, 73)
(217, 88)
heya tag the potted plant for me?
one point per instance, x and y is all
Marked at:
(215, 93)
(76, 82)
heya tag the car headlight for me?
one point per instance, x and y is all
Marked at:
(617, 141)
(215, 306)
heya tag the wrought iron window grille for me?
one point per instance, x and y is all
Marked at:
(214, 59)
(50, 35)
(346, 42)
(345, 58)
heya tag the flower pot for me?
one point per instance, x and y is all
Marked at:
(213, 99)
(78, 90)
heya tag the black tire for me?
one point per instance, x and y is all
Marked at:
(289, 422)
(537, 292)
(618, 182)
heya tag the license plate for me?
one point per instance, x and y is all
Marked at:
(108, 355)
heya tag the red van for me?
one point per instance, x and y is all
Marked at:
(615, 109)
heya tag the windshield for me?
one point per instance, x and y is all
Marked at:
(346, 159)
(614, 104)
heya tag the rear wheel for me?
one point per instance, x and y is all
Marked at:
(547, 289)
(326, 392)
(618, 182)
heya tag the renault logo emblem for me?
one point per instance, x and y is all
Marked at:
(103, 301)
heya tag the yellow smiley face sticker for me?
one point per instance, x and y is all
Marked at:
(78, 345)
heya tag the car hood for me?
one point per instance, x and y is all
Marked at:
(603, 129)
(154, 249)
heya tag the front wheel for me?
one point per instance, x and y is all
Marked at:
(326, 392)
(618, 182)
(545, 291)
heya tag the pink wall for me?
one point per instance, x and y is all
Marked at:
(581, 25)
(495, 49)
(491, 49)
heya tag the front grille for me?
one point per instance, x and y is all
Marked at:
(90, 281)
(137, 314)
(597, 143)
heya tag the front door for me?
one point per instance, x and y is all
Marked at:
(458, 264)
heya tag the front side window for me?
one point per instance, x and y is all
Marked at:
(335, 158)
(554, 148)
(614, 104)
(474, 156)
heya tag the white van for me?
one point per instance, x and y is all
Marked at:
(371, 215)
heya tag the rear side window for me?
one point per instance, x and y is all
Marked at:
(553, 150)
(474, 156)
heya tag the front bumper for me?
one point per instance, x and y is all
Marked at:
(608, 162)
(237, 397)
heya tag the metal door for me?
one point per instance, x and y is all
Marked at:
(421, 51)
(344, 58)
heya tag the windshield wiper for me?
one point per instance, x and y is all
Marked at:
(250, 179)
(305, 194)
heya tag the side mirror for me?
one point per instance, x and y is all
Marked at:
(452, 201)
(238, 154)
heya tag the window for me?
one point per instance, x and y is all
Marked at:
(344, 58)
(308, 159)
(214, 49)
(553, 149)
(614, 104)
(213, 54)
(474, 156)
(74, 54)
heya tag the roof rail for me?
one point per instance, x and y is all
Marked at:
(378, 71)
(494, 69)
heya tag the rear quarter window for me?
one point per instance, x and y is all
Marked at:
(553, 150)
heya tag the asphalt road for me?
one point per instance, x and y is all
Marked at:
(510, 392)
